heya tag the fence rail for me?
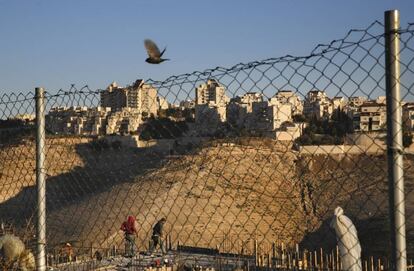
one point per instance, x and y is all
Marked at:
(250, 162)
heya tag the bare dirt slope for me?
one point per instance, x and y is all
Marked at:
(218, 195)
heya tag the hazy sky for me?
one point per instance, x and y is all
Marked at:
(56, 43)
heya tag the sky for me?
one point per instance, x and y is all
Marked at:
(54, 44)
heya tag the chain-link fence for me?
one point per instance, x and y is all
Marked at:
(247, 165)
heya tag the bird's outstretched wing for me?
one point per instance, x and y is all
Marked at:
(152, 49)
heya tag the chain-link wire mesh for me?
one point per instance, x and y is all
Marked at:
(247, 165)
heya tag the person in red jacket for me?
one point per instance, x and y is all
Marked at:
(130, 229)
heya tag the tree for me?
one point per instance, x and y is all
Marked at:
(407, 136)
(163, 129)
(407, 139)
(299, 118)
(305, 140)
(333, 129)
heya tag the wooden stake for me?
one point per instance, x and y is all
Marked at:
(255, 252)
(289, 263)
(338, 261)
(268, 261)
(321, 251)
(305, 260)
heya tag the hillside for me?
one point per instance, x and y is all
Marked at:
(216, 195)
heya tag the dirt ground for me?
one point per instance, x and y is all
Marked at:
(220, 195)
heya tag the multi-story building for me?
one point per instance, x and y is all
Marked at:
(209, 118)
(268, 116)
(237, 113)
(241, 107)
(356, 101)
(163, 103)
(381, 100)
(92, 121)
(210, 106)
(123, 122)
(187, 104)
(317, 104)
(211, 93)
(77, 120)
(149, 101)
(289, 97)
(114, 97)
(25, 117)
(139, 96)
(352, 109)
(408, 116)
(372, 117)
(338, 103)
(249, 98)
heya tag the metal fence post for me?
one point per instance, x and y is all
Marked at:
(394, 140)
(40, 180)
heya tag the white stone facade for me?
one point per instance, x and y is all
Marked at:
(317, 104)
(289, 97)
(408, 116)
(140, 96)
(92, 121)
(372, 117)
(210, 106)
(268, 116)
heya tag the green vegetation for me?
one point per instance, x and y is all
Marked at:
(162, 128)
(13, 131)
(407, 137)
(326, 132)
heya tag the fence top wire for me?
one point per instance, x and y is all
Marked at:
(373, 32)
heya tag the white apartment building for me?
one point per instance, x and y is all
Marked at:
(338, 103)
(381, 100)
(408, 116)
(268, 116)
(210, 106)
(187, 104)
(356, 101)
(290, 97)
(163, 103)
(241, 107)
(317, 104)
(139, 96)
(77, 120)
(92, 121)
(123, 122)
(211, 93)
(352, 109)
(372, 117)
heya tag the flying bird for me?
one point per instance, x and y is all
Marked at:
(154, 54)
(348, 243)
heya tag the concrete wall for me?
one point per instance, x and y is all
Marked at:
(341, 149)
(366, 138)
(160, 145)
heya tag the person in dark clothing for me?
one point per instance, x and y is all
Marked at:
(130, 229)
(157, 236)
